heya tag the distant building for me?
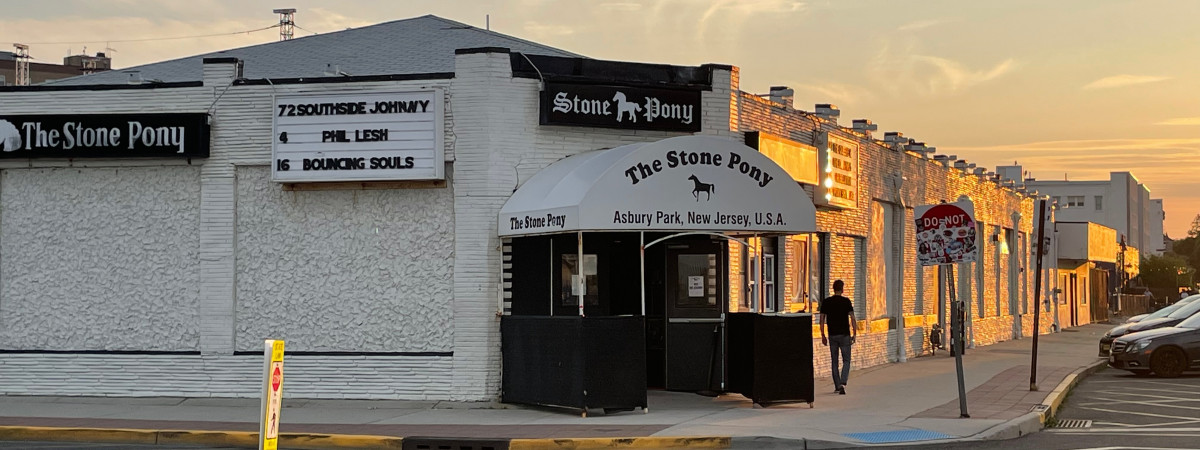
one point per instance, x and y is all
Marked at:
(1156, 235)
(1122, 203)
(73, 65)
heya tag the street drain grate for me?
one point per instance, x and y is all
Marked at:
(1073, 423)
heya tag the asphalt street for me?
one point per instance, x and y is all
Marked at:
(1113, 409)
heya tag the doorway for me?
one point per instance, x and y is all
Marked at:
(692, 334)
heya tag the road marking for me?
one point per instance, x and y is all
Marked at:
(1159, 389)
(1166, 424)
(1127, 430)
(1162, 404)
(1135, 448)
(1137, 413)
(1165, 383)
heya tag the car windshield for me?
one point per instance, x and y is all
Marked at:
(1167, 310)
(1186, 311)
(1191, 322)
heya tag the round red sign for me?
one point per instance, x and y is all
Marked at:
(276, 379)
(945, 235)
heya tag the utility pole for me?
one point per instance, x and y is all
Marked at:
(287, 23)
(22, 57)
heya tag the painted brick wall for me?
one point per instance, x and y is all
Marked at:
(350, 271)
(335, 377)
(188, 300)
(89, 253)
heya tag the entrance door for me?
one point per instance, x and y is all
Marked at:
(695, 295)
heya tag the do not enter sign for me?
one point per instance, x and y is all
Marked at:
(276, 378)
(946, 233)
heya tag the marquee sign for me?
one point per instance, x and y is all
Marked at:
(175, 135)
(368, 136)
(839, 174)
(687, 183)
(946, 233)
(592, 105)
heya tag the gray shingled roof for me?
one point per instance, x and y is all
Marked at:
(423, 44)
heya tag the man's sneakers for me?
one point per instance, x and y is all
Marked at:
(841, 391)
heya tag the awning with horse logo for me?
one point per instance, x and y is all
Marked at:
(686, 183)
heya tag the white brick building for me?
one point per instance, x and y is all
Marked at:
(162, 276)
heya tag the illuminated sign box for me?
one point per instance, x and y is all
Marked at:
(838, 187)
(799, 160)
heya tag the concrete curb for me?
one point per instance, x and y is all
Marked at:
(246, 439)
(1035, 421)
(638, 442)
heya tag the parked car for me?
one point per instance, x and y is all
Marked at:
(1137, 318)
(1166, 352)
(1148, 322)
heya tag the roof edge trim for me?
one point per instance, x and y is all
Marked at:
(348, 79)
(100, 87)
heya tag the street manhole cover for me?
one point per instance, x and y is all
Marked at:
(1074, 423)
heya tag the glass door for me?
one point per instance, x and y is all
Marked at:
(695, 293)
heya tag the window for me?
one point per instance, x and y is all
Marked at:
(575, 283)
(1074, 201)
(1058, 201)
(1099, 202)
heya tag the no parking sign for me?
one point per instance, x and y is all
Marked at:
(946, 233)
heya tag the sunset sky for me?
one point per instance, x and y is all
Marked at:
(1067, 88)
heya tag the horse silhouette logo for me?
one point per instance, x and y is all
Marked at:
(625, 106)
(700, 186)
(10, 137)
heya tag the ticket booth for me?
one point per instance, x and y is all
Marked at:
(632, 244)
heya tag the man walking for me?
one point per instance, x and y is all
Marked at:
(838, 312)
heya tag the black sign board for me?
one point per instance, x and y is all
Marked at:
(176, 135)
(592, 105)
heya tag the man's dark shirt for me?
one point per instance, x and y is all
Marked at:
(837, 310)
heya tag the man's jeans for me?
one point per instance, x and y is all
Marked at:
(839, 343)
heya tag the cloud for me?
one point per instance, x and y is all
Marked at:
(921, 24)
(1181, 121)
(954, 76)
(738, 12)
(901, 70)
(839, 93)
(1166, 166)
(1117, 81)
(541, 31)
(621, 6)
(1088, 145)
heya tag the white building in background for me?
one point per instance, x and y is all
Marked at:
(1158, 237)
(1122, 203)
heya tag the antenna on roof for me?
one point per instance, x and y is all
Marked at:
(487, 21)
(287, 22)
(22, 56)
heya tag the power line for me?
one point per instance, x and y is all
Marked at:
(156, 39)
(305, 29)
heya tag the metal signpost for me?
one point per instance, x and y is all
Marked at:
(1037, 291)
(946, 236)
(272, 395)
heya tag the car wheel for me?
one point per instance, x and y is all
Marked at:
(1168, 362)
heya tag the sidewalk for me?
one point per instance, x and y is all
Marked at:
(913, 401)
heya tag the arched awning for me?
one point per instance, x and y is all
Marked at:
(687, 183)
